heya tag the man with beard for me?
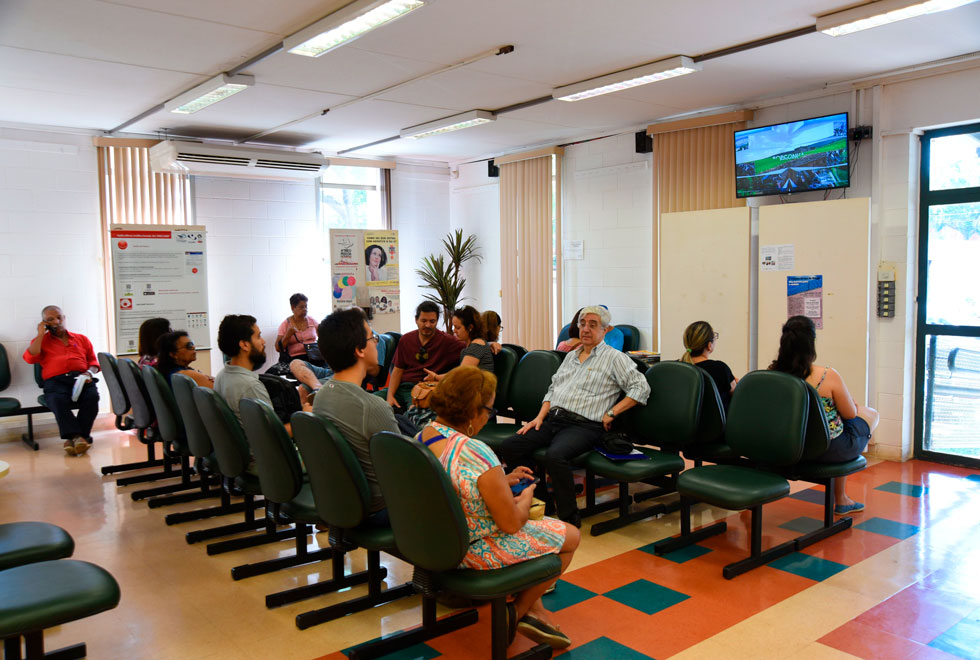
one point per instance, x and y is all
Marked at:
(240, 339)
(350, 347)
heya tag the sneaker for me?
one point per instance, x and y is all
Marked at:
(538, 631)
(69, 447)
(844, 509)
(81, 446)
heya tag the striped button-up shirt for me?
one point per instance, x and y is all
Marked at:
(592, 387)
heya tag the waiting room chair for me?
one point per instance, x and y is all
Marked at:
(431, 533)
(28, 542)
(504, 364)
(563, 334)
(11, 407)
(518, 349)
(709, 444)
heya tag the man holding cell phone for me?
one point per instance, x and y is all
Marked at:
(68, 365)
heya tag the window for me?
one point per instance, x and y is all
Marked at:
(354, 198)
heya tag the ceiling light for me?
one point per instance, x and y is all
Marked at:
(218, 88)
(881, 13)
(346, 24)
(614, 82)
(448, 124)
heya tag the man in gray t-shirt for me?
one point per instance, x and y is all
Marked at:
(240, 339)
(350, 347)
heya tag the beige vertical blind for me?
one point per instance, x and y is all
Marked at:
(527, 252)
(694, 170)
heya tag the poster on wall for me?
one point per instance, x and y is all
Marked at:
(344, 280)
(385, 300)
(777, 257)
(344, 248)
(159, 272)
(804, 297)
(381, 258)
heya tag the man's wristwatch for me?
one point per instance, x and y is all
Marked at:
(611, 413)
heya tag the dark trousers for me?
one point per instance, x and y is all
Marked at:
(57, 394)
(564, 441)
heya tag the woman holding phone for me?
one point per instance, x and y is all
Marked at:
(501, 533)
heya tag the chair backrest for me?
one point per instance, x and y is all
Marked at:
(139, 399)
(504, 364)
(168, 417)
(563, 334)
(197, 436)
(396, 336)
(518, 349)
(530, 383)
(817, 431)
(669, 419)
(280, 472)
(110, 373)
(711, 423)
(4, 369)
(631, 337)
(230, 446)
(38, 378)
(767, 418)
(426, 516)
(340, 489)
(390, 343)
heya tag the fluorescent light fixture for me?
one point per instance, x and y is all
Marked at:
(218, 88)
(346, 24)
(448, 124)
(882, 12)
(614, 82)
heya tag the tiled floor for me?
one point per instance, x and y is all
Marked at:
(901, 583)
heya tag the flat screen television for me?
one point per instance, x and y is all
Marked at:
(810, 154)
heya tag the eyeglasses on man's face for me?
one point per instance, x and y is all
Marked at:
(715, 337)
(375, 337)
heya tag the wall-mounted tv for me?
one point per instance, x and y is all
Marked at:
(810, 154)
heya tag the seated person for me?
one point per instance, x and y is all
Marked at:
(851, 425)
(579, 406)
(64, 358)
(350, 347)
(150, 332)
(573, 341)
(240, 340)
(699, 344)
(312, 377)
(175, 352)
(468, 328)
(491, 324)
(297, 330)
(418, 350)
(501, 533)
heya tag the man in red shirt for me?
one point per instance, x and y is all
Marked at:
(66, 357)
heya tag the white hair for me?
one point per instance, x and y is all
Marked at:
(604, 316)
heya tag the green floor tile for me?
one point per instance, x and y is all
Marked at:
(803, 525)
(887, 527)
(973, 477)
(419, 651)
(678, 556)
(646, 596)
(604, 648)
(566, 595)
(808, 566)
(899, 488)
(963, 639)
(812, 495)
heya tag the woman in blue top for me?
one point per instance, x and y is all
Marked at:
(175, 352)
(851, 425)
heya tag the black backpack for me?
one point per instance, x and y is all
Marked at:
(285, 398)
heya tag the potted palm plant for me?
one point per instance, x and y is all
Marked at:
(443, 272)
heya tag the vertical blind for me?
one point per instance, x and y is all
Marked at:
(694, 170)
(526, 251)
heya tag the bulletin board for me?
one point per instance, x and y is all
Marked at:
(357, 281)
(704, 276)
(829, 239)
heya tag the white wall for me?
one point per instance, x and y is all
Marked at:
(474, 207)
(50, 253)
(607, 193)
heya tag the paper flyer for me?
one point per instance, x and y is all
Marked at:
(344, 248)
(777, 257)
(385, 300)
(344, 280)
(381, 258)
(804, 297)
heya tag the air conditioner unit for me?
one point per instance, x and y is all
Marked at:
(176, 157)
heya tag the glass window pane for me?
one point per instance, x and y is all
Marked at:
(952, 396)
(345, 208)
(361, 176)
(954, 161)
(954, 264)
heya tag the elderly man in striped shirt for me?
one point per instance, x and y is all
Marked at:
(580, 405)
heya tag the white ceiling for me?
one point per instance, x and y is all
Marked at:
(94, 64)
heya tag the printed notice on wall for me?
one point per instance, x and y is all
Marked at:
(777, 257)
(804, 297)
(344, 280)
(573, 250)
(381, 258)
(159, 273)
(386, 300)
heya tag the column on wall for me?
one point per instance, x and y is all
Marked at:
(526, 247)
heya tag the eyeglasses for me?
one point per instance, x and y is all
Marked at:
(491, 411)
(189, 346)
(422, 355)
(715, 337)
(375, 337)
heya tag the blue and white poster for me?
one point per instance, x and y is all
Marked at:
(804, 297)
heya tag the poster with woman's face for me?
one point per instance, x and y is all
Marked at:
(381, 258)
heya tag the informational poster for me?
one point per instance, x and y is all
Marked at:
(573, 250)
(344, 279)
(386, 300)
(159, 272)
(777, 257)
(804, 297)
(344, 248)
(381, 258)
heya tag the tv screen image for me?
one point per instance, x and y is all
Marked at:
(810, 154)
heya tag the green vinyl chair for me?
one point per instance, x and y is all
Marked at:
(28, 542)
(766, 424)
(528, 385)
(431, 533)
(342, 498)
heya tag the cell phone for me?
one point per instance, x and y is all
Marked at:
(522, 484)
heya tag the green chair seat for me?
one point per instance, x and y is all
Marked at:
(28, 542)
(248, 483)
(9, 406)
(500, 582)
(493, 435)
(659, 463)
(372, 538)
(812, 471)
(732, 487)
(42, 401)
(713, 453)
(37, 596)
(302, 507)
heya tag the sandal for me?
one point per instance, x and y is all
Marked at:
(538, 631)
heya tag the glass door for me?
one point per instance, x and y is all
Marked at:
(947, 402)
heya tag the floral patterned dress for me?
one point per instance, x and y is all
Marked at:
(466, 459)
